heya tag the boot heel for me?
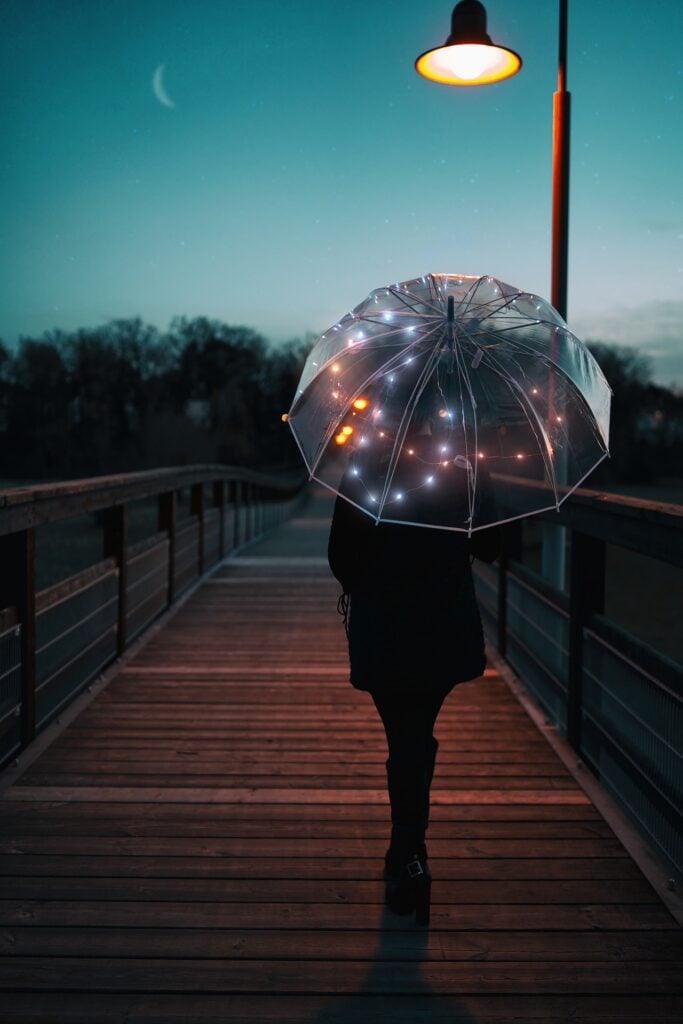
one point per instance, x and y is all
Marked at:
(423, 892)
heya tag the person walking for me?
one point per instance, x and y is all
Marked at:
(414, 632)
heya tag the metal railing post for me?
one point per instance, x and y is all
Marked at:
(511, 549)
(586, 595)
(197, 509)
(219, 503)
(167, 523)
(18, 590)
(115, 545)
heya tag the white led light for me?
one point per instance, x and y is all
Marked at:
(429, 480)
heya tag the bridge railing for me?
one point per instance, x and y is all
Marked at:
(54, 641)
(617, 699)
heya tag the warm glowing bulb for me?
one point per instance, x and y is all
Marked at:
(468, 64)
(284, 417)
(341, 438)
(519, 455)
(335, 368)
(360, 404)
(480, 455)
(534, 391)
(411, 451)
(347, 430)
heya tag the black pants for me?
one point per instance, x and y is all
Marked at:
(408, 720)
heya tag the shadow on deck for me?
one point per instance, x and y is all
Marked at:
(205, 841)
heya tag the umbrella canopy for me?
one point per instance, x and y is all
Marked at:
(423, 404)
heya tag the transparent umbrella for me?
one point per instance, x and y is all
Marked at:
(426, 402)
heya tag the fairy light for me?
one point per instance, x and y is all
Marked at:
(429, 480)
(360, 404)
(534, 391)
(519, 455)
(284, 417)
(347, 430)
(341, 438)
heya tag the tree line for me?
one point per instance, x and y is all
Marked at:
(125, 397)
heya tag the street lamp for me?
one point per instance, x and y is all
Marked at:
(469, 57)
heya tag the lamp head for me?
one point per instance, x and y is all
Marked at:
(469, 56)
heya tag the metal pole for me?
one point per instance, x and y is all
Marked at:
(560, 216)
(554, 537)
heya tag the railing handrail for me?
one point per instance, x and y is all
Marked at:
(653, 528)
(35, 505)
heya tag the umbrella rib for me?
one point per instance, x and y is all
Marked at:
(471, 481)
(544, 444)
(405, 420)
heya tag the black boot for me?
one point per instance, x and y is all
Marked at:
(406, 871)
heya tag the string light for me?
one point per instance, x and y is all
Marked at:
(360, 404)
(347, 430)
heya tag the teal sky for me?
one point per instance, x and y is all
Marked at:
(305, 162)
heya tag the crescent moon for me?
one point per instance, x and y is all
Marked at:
(158, 88)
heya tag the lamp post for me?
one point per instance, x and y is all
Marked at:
(469, 57)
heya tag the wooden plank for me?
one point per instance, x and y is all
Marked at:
(255, 794)
(407, 945)
(69, 1008)
(316, 891)
(325, 915)
(311, 860)
(230, 976)
(498, 849)
(117, 1008)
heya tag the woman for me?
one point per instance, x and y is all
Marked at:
(414, 632)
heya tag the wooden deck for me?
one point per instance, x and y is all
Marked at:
(205, 842)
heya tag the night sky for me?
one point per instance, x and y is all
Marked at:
(290, 159)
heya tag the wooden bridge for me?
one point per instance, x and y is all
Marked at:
(201, 838)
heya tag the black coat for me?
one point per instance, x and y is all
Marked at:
(414, 623)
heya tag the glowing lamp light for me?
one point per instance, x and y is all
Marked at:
(360, 404)
(347, 431)
(469, 56)
(519, 455)
(341, 438)
(335, 368)
(284, 417)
